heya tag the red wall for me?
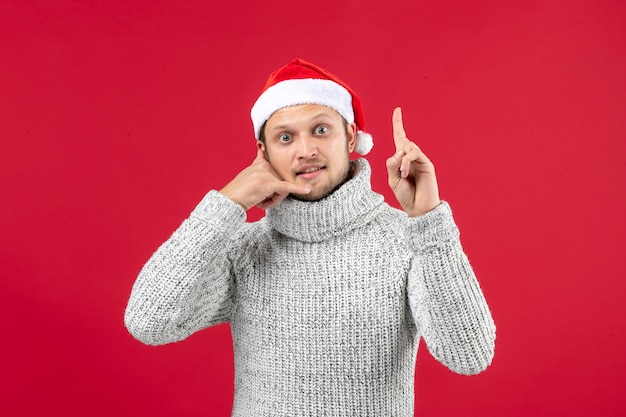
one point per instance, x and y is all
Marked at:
(117, 117)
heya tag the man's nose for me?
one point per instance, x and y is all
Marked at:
(307, 146)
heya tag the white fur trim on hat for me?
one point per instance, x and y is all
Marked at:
(301, 91)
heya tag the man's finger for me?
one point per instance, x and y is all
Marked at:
(393, 166)
(270, 202)
(262, 158)
(260, 155)
(281, 190)
(418, 157)
(399, 135)
(284, 187)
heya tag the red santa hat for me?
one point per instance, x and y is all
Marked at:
(301, 82)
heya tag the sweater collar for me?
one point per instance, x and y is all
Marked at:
(351, 206)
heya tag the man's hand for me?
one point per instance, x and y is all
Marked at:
(411, 174)
(259, 185)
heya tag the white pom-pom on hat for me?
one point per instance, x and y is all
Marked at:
(364, 143)
(301, 82)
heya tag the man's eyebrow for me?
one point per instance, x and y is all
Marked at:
(279, 127)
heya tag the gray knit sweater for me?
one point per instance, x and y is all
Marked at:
(326, 300)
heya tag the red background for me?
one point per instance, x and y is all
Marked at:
(116, 118)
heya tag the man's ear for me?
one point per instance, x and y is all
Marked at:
(351, 132)
(261, 146)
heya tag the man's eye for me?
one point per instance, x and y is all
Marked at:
(320, 130)
(285, 137)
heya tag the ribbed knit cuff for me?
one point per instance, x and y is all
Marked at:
(220, 211)
(434, 228)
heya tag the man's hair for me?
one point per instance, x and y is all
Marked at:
(262, 133)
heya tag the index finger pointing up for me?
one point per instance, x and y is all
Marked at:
(399, 135)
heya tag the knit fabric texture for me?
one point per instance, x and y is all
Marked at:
(326, 300)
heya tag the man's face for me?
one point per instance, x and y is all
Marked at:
(308, 145)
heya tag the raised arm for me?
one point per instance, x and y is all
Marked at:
(446, 300)
(187, 285)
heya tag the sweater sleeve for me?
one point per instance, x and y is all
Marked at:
(445, 298)
(186, 285)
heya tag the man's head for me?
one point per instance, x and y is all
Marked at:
(309, 145)
(301, 82)
(307, 121)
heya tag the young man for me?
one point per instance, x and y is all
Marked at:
(327, 295)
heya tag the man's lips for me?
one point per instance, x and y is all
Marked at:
(309, 172)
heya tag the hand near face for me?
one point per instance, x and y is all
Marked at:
(259, 185)
(411, 174)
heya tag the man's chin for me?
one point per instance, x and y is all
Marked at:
(312, 196)
(318, 194)
(324, 191)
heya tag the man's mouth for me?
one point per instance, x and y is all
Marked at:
(309, 172)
